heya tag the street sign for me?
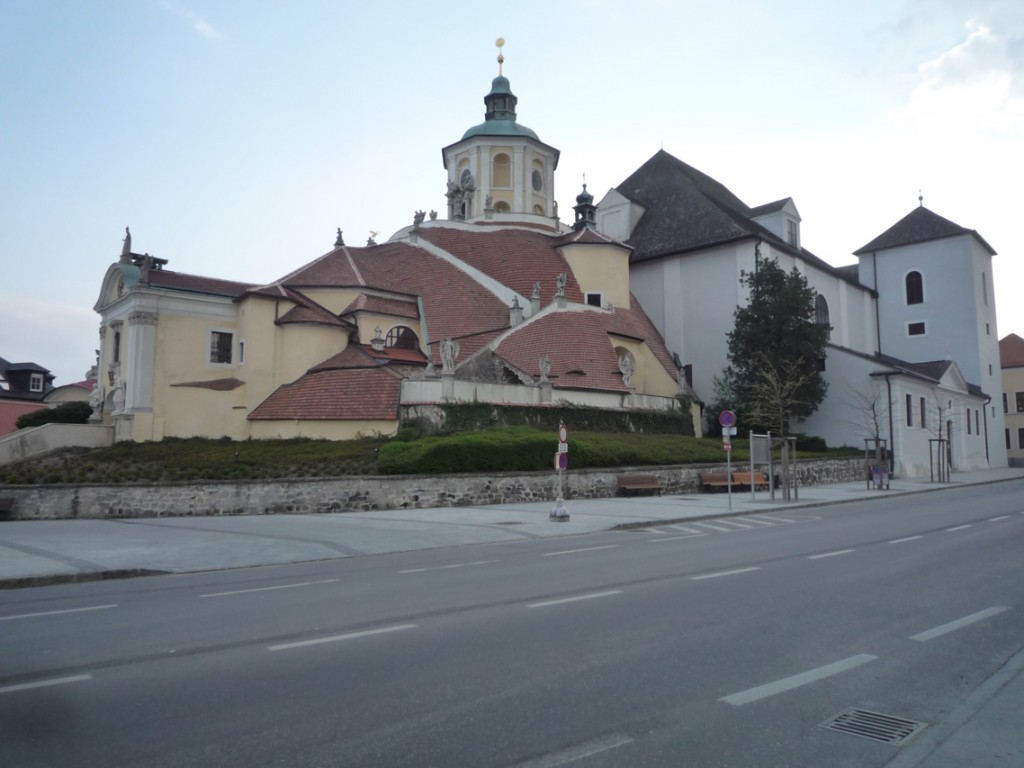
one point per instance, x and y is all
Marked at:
(563, 447)
(727, 419)
(727, 446)
(561, 462)
(563, 433)
(728, 431)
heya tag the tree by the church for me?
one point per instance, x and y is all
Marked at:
(776, 349)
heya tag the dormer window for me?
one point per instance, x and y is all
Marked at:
(793, 233)
(402, 337)
(35, 382)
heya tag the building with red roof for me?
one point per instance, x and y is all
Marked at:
(500, 302)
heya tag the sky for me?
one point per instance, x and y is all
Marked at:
(235, 136)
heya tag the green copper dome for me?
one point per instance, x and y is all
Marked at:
(500, 117)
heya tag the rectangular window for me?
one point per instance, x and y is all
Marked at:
(968, 421)
(1006, 405)
(990, 369)
(1020, 437)
(241, 352)
(988, 329)
(594, 299)
(977, 422)
(915, 329)
(35, 382)
(1007, 438)
(792, 233)
(220, 347)
(923, 424)
(1019, 397)
(910, 411)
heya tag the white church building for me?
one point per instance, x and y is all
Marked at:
(913, 355)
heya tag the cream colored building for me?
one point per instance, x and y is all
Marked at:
(500, 303)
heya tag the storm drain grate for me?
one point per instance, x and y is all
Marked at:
(874, 726)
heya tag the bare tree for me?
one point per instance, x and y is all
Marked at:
(871, 409)
(777, 392)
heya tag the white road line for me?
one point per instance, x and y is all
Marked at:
(415, 570)
(831, 554)
(776, 519)
(684, 529)
(997, 519)
(336, 638)
(758, 520)
(959, 528)
(677, 538)
(44, 683)
(958, 624)
(574, 551)
(56, 613)
(724, 573)
(908, 538)
(575, 599)
(738, 525)
(578, 752)
(714, 527)
(268, 589)
(789, 683)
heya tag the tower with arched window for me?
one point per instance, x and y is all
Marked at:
(500, 169)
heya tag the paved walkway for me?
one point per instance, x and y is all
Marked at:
(983, 733)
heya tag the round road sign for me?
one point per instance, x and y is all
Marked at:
(727, 418)
(563, 433)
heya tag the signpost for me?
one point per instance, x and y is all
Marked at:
(559, 512)
(728, 421)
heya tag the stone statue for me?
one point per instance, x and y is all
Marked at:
(626, 367)
(449, 352)
(371, 240)
(545, 369)
(536, 290)
(96, 401)
(118, 394)
(340, 241)
(433, 215)
(126, 249)
(418, 218)
(560, 285)
(488, 202)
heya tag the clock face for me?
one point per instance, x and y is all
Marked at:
(465, 178)
(538, 181)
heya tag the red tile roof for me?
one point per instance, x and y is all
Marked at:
(335, 395)
(513, 257)
(1011, 351)
(179, 281)
(579, 344)
(385, 306)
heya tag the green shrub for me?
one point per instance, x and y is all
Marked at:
(66, 413)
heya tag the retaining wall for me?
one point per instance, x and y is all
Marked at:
(90, 501)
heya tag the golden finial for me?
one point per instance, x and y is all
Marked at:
(500, 42)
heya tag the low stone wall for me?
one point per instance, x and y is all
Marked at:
(349, 494)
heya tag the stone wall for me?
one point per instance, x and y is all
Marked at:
(89, 501)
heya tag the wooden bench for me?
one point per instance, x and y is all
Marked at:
(714, 479)
(637, 483)
(745, 478)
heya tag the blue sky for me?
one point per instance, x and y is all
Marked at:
(234, 137)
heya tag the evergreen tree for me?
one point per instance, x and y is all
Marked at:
(776, 349)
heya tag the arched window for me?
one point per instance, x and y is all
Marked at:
(401, 337)
(501, 173)
(502, 207)
(538, 210)
(821, 313)
(915, 288)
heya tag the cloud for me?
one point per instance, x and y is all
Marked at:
(199, 24)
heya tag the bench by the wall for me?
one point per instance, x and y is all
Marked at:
(636, 483)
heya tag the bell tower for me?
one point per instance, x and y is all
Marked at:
(500, 170)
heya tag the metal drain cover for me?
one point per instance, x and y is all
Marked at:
(874, 726)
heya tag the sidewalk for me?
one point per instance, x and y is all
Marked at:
(50, 551)
(984, 732)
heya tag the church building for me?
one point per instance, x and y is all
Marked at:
(499, 303)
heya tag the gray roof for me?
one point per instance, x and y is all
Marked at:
(687, 210)
(920, 226)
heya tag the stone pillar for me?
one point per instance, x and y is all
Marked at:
(447, 385)
(139, 359)
(518, 184)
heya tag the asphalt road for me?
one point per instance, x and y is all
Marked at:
(718, 643)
